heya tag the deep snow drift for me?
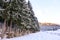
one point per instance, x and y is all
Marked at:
(45, 35)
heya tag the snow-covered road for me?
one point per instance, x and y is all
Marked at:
(45, 35)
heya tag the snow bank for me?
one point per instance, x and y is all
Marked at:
(39, 36)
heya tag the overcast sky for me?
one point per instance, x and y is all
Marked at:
(47, 10)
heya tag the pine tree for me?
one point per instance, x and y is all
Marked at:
(34, 21)
(19, 13)
(10, 13)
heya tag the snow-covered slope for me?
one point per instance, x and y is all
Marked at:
(46, 35)
(50, 28)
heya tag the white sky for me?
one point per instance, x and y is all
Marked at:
(47, 10)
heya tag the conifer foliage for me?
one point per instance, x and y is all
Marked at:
(19, 13)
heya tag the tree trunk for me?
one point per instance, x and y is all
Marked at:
(3, 29)
(10, 25)
(10, 29)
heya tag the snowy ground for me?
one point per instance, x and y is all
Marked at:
(42, 35)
